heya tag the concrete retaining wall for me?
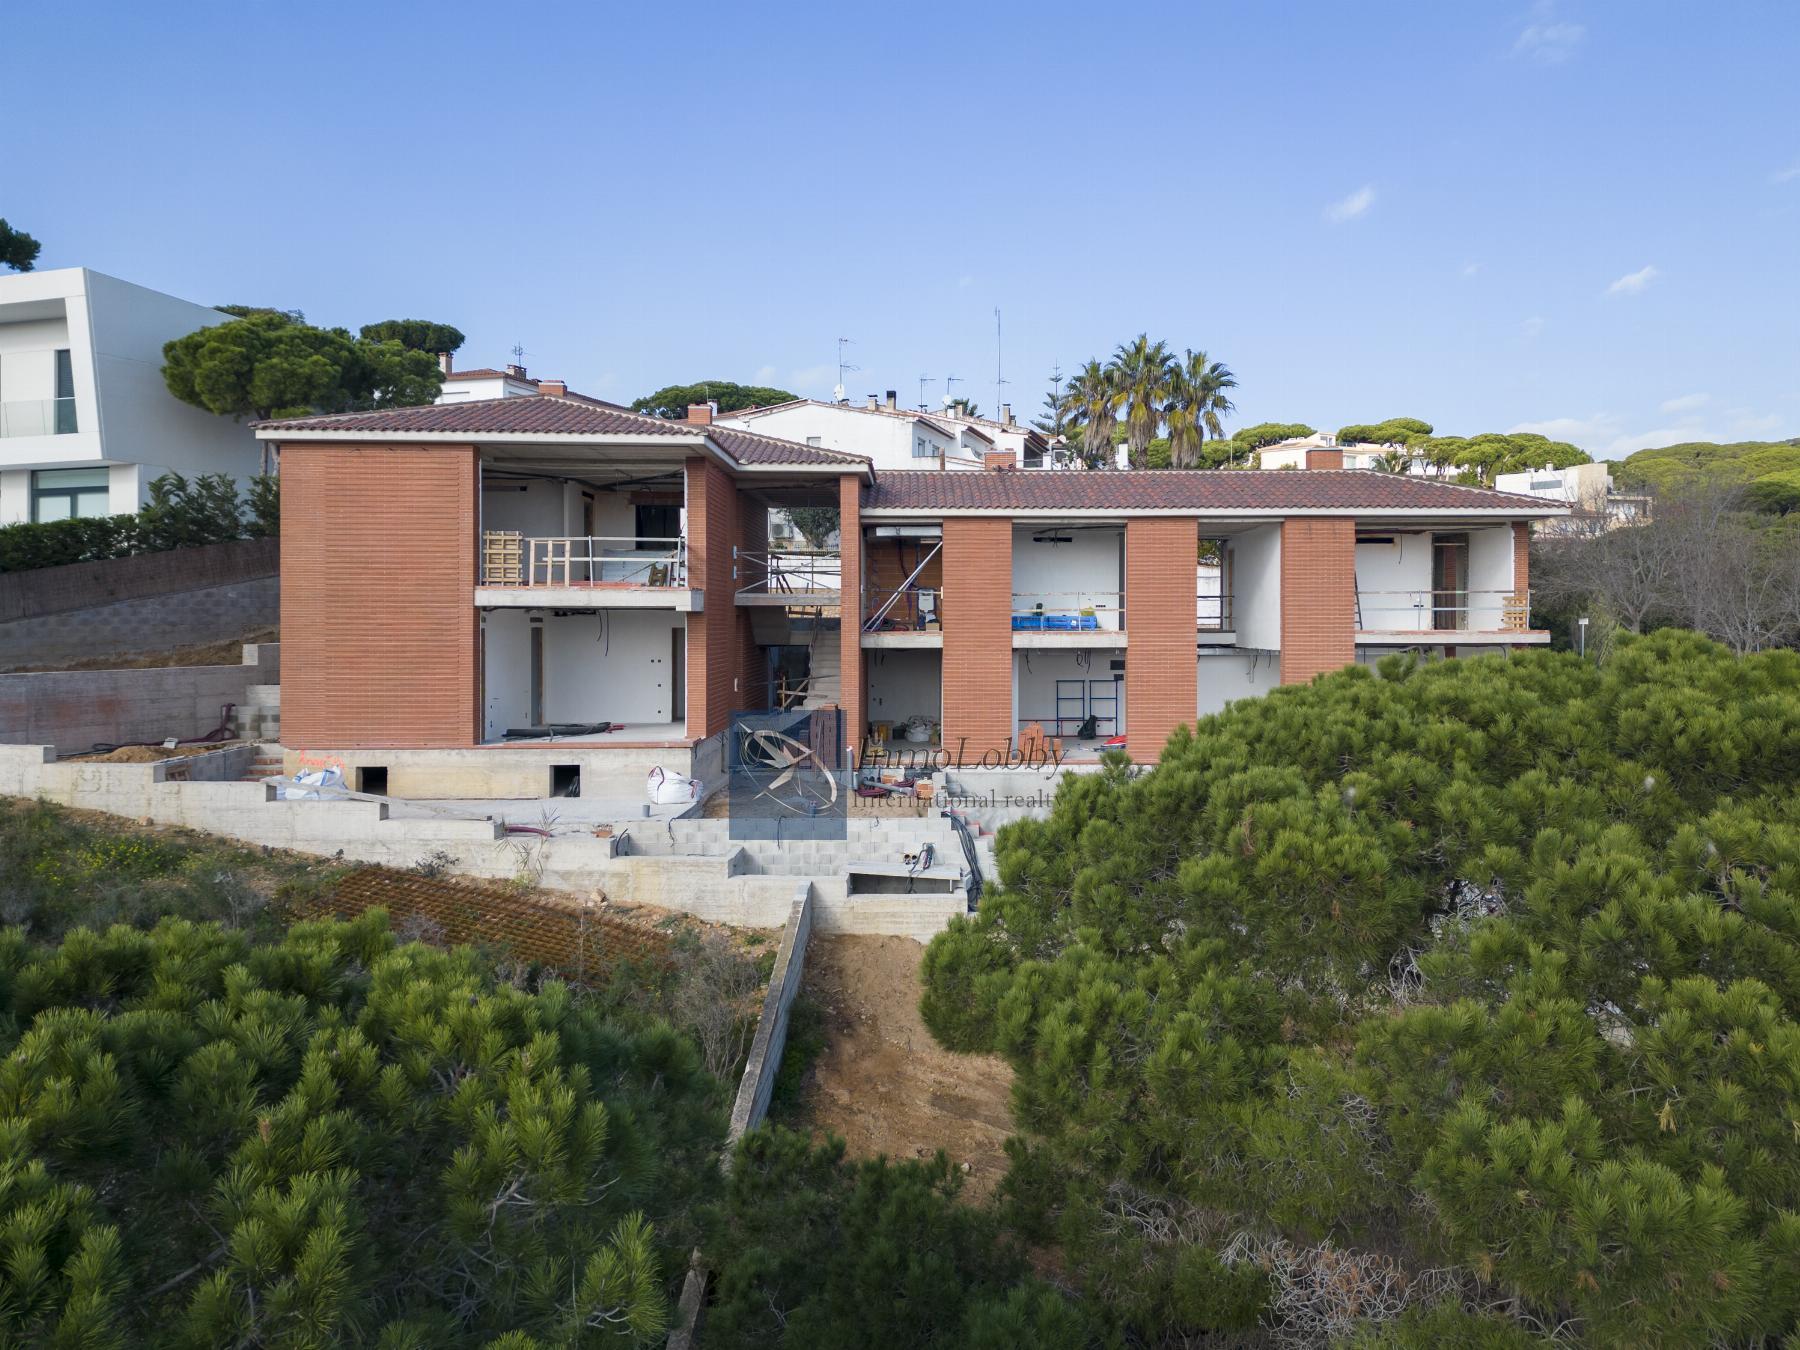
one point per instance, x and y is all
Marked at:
(720, 888)
(73, 710)
(127, 606)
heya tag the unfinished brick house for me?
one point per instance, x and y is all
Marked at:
(472, 590)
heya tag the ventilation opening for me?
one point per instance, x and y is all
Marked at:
(565, 780)
(372, 779)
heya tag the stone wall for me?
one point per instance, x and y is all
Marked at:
(73, 710)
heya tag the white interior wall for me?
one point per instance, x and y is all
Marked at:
(1230, 676)
(1256, 587)
(1393, 582)
(608, 666)
(506, 670)
(612, 666)
(533, 507)
(1490, 575)
(904, 683)
(1036, 671)
(1085, 571)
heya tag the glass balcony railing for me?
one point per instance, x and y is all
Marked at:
(38, 417)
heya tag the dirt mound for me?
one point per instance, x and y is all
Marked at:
(882, 1083)
(150, 754)
(229, 652)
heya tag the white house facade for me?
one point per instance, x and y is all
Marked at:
(86, 422)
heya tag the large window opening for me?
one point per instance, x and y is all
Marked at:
(69, 494)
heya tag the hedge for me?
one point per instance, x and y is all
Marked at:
(179, 514)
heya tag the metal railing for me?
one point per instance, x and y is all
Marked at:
(1212, 613)
(901, 609)
(788, 571)
(1447, 611)
(513, 559)
(1068, 611)
(38, 417)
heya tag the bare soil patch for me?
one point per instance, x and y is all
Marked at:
(229, 652)
(882, 1083)
(150, 754)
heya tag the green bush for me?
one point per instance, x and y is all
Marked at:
(1488, 967)
(179, 514)
(334, 1139)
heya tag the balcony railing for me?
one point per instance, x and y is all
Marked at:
(1212, 613)
(1433, 611)
(38, 417)
(509, 558)
(1068, 611)
(796, 572)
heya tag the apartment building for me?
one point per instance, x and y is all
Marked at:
(496, 598)
(892, 437)
(86, 422)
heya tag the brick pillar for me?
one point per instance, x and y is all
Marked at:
(380, 638)
(1161, 668)
(1318, 597)
(852, 695)
(752, 538)
(713, 651)
(1521, 557)
(977, 622)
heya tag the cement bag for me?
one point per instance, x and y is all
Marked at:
(668, 789)
(315, 785)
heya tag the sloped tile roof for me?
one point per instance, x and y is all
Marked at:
(1216, 490)
(545, 415)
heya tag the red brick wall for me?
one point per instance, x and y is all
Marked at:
(854, 697)
(714, 653)
(752, 538)
(1325, 459)
(1318, 597)
(1160, 666)
(1521, 557)
(978, 660)
(378, 623)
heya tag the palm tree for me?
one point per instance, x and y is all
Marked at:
(1141, 372)
(1093, 402)
(1197, 406)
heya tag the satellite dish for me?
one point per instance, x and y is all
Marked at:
(837, 393)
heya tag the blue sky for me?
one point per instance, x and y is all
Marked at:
(1571, 216)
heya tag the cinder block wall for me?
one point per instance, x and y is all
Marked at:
(1318, 596)
(378, 563)
(1161, 669)
(978, 659)
(72, 710)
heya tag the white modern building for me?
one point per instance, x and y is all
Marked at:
(86, 422)
(893, 437)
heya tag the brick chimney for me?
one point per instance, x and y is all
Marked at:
(554, 388)
(701, 414)
(517, 372)
(1325, 459)
(999, 459)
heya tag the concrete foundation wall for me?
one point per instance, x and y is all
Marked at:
(720, 888)
(73, 710)
(155, 623)
(495, 772)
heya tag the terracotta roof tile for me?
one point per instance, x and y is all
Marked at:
(1215, 490)
(545, 415)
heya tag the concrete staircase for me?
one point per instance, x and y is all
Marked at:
(258, 717)
(824, 686)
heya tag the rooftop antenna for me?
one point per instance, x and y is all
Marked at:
(999, 379)
(1056, 408)
(923, 381)
(844, 368)
(518, 354)
(949, 399)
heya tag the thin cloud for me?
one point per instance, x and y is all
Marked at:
(1356, 204)
(1549, 44)
(1533, 326)
(1786, 175)
(1471, 269)
(766, 374)
(1686, 403)
(1633, 282)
